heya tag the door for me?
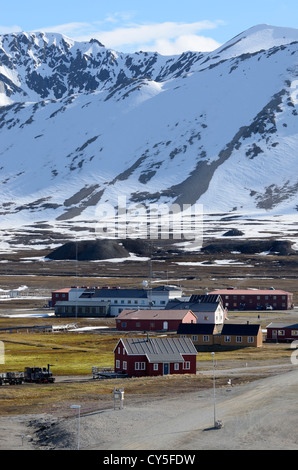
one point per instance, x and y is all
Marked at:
(166, 368)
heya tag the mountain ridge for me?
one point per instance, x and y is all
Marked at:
(81, 125)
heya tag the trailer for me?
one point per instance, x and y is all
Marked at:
(11, 378)
(106, 373)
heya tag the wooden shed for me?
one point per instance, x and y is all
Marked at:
(153, 320)
(155, 356)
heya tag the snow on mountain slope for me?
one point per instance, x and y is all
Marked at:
(81, 125)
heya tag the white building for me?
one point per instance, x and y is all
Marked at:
(111, 301)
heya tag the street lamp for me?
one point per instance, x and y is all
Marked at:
(213, 355)
(78, 407)
(217, 424)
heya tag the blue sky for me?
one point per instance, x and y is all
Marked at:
(166, 26)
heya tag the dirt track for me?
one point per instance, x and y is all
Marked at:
(256, 416)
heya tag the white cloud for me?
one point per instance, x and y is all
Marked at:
(190, 42)
(168, 38)
(10, 29)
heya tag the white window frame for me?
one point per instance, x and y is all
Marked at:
(140, 365)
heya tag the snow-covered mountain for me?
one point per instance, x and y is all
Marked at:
(81, 125)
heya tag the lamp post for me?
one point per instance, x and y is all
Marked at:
(78, 407)
(214, 389)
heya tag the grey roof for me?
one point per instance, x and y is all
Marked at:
(159, 349)
(121, 293)
(193, 306)
(166, 289)
(212, 298)
(282, 325)
(126, 293)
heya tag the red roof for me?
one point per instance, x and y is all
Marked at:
(249, 292)
(154, 314)
(66, 289)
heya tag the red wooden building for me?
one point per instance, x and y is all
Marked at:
(255, 299)
(138, 357)
(282, 332)
(154, 320)
(60, 295)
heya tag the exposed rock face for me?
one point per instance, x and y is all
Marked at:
(81, 125)
(283, 247)
(88, 250)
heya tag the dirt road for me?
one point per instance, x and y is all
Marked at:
(258, 415)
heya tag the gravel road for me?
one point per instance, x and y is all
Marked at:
(258, 415)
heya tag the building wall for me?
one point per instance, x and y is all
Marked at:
(242, 340)
(200, 340)
(252, 301)
(282, 334)
(153, 324)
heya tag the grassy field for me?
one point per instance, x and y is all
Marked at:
(74, 354)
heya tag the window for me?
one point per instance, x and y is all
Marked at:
(227, 339)
(176, 366)
(155, 366)
(205, 338)
(194, 337)
(138, 324)
(294, 332)
(140, 366)
(186, 365)
(124, 365)
(123, 324)
(250, 339)
(281, 332)
(238, 339)
(118, 349)
(117, 364)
